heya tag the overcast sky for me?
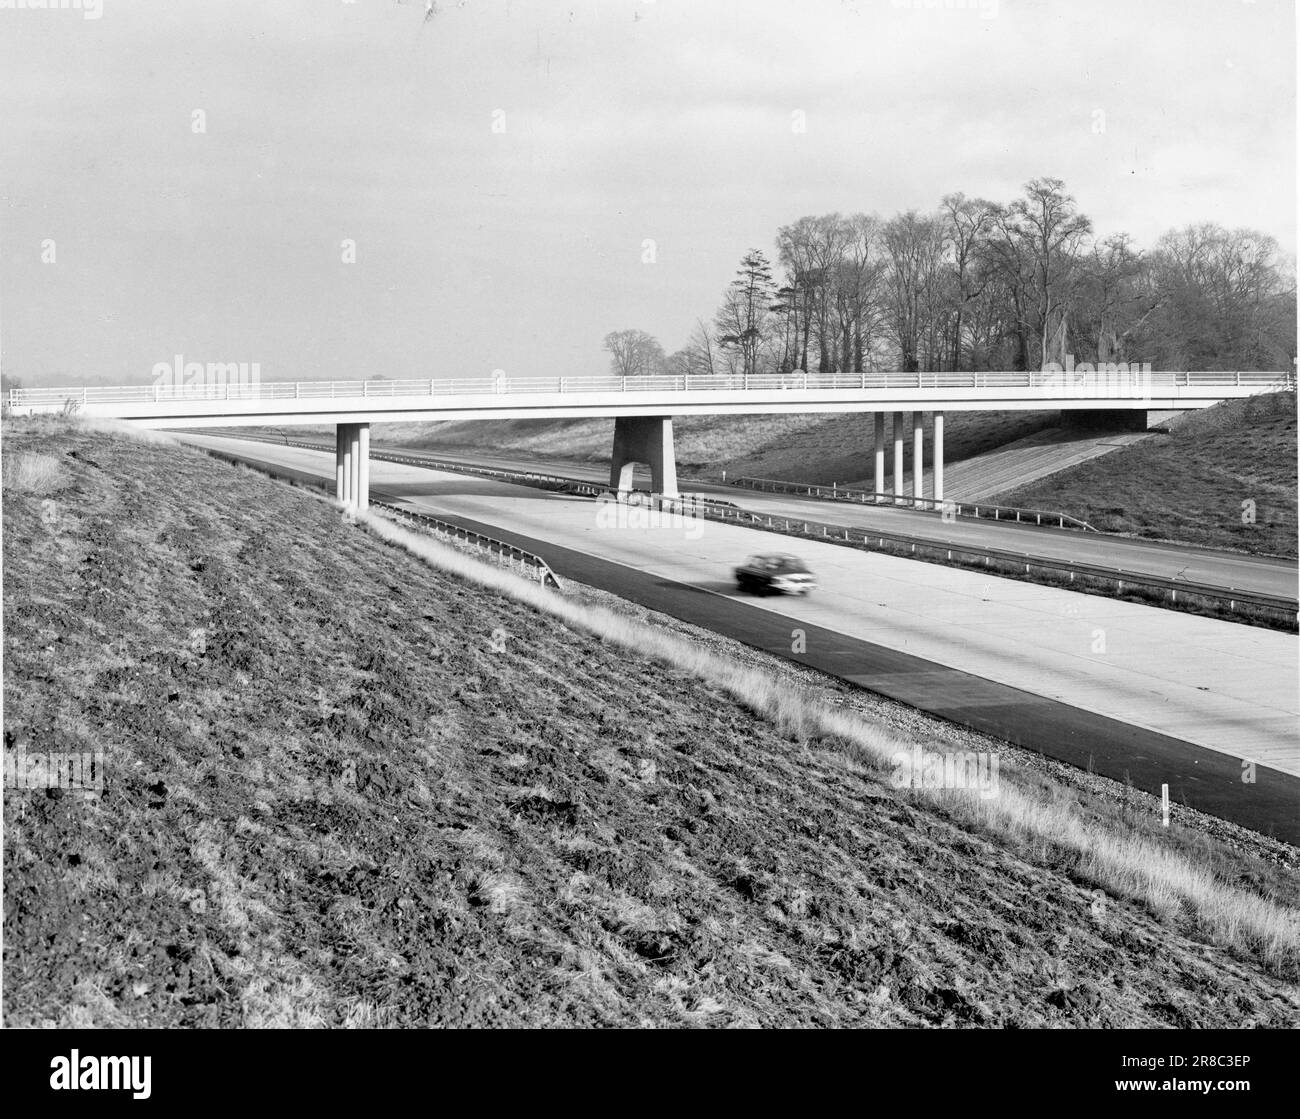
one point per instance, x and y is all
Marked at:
(519, 246)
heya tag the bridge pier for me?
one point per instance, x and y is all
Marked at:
(938, 456)
(352, 466)
(918, 459)
(647, 439)
(880, 452)
(898, 457)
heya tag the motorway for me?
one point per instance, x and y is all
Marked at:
(1135, 692)
(1229, 570)
(1262, 574)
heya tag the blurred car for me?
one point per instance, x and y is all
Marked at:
(775, 574)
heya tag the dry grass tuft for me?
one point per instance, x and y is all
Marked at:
(35, 474)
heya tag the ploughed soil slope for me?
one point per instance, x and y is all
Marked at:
(344, 788)
(1224, 477)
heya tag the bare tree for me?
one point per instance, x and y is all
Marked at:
(966, 222)
(914, 244)
(979, 285)
(1006, 263)
(1048, 222)
(859, 290)
(1225, 301)
(700, 348)
(1114, 298)
(633, 353)
(797, 254)
(678, 363)
(744, 320)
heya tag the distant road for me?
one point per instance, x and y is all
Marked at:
(1130, 691)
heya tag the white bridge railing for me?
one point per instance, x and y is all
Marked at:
(1065, 383)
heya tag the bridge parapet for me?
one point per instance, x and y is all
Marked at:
(1080, 383)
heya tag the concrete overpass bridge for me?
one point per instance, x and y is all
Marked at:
(643, 407)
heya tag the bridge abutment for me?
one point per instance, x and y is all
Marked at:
(646, 439)
(1116, 419)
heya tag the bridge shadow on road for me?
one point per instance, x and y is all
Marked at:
(459, 487)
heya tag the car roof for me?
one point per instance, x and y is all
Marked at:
(775, 557)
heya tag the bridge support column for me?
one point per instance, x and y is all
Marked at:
(647, 439)
(343, 457)
(352, 465)
(880, 452)
(938, 456)
(918, 458)
(898, 457)
(362, 501)
(340, 461)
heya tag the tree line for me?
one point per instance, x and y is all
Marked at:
(979, 285)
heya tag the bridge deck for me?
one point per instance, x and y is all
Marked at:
(242, 403)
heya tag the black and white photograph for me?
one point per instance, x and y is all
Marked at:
(650, 514)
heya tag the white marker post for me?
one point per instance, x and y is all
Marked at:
(1164, 802)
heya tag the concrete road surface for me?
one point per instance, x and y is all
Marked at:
(1261, 574)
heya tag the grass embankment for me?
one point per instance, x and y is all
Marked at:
(343, 788)
(797, 448)
(1190, 486)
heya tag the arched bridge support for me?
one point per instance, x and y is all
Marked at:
(647, 439)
